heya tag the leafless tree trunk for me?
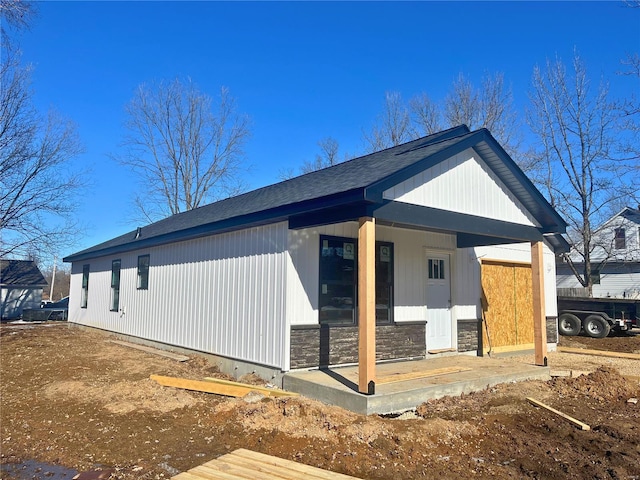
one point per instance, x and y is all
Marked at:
(184, 152)
(578, 161)
(37, 194)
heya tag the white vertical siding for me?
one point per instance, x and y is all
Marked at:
(477, 191)
(409, 269)
(222, 294)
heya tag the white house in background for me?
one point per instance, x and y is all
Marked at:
(21, 285)
(616, 262)
(422, 241)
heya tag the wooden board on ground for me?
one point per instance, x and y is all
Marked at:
(246, 464)
(230, 390)
(274, 392)
(599, 353)
(155, 351)
(401, 377)
(582, 426)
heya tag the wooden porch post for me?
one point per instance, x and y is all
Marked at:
(539, 311)
(366, 305)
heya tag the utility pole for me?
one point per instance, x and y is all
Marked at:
(53, 277)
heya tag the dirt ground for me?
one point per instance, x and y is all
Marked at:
(72, 398)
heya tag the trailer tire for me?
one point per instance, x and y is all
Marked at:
(569, 325)
(596, 326)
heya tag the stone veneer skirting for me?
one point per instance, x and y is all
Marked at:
(324, 345)
(552, 329)
(469, 335)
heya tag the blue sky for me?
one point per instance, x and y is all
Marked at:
(302, 71)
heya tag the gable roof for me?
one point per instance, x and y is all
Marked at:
(361, 180)
(23, 273)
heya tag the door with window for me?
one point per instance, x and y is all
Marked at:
(439, 329)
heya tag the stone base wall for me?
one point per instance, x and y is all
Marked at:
(552, 329)
(469, 335)
(324, 345)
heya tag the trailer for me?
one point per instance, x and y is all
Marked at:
(596, 317)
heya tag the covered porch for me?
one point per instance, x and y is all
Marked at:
(404, 385)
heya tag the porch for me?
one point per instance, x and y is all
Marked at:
(404, 385)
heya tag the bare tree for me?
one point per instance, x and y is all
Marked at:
(37, 194)
(489, 107)
(426, 114)
(186, 150)
(327, 157)
(393, 126)
(579, 162)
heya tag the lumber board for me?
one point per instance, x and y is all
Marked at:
(246, 464)
(202, 386)
(366, 305)
(307, 470)
(274, 392)
(155, 351)
(401, 377)
(583, 426)
(599, 353)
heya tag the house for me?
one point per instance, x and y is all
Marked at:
(21, 284)
(441, 244)
(615, 260)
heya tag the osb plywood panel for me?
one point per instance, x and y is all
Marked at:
(524, 304)
(507, 305)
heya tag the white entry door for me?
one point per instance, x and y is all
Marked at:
(438, 302)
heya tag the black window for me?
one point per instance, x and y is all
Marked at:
(339, 280)
(338, 277)
(143, 272)
(115, 285)
(620, 239)
(85, 286)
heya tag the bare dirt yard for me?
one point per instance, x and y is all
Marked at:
(72, 399)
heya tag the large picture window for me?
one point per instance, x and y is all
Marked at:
(115, 285)
(339, 280)
(84, 296)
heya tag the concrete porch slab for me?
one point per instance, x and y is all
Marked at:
(463, 374)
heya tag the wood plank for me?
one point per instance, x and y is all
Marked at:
(212, 471)
(366, 305)
(202, 386)
(539, 311)
(599, 353)
(582, 426)
(155, 351)
(267, 469)
(305, 470)
(222, 466)
(402, 377)
(274, 392)
(246, 464)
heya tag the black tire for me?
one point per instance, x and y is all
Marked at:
(596, 327)
(569, 325)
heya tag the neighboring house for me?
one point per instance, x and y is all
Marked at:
(615, 261)
(21, 285)
(282, 277)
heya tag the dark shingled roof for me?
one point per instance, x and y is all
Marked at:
(23, 273)
(348, 182)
